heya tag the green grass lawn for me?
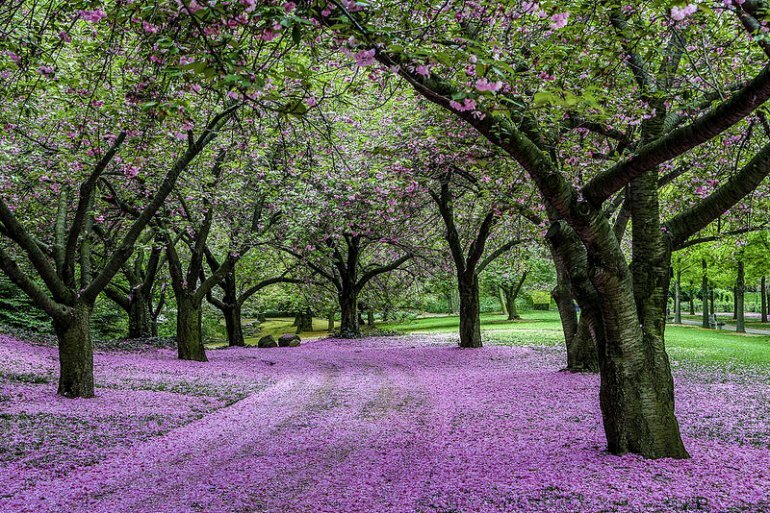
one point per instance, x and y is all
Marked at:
(684, 343)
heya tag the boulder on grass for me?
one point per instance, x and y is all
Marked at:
(267, 341)
(288, 340)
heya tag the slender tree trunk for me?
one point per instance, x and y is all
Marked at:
(578, 335)
(370, 318)
(233, 324)
(330, 321)
(763, 300)
(705, 293)
(740, 288)
(692, 300)
(138, 316)
(735, 303)
(581, 349)
(76, 354)
(189, 329)
(470, 311)
(678, 298)
(502, 297)
(349, 327)
(711, 298)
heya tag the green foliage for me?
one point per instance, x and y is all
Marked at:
(18, 311)
(541, 299)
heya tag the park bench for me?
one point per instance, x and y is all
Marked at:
(714, 323)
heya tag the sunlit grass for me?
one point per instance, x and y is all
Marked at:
(544, 329)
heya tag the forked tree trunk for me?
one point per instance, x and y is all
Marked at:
(639, 399)
(636, 391)
(233, 325)
(511, 293)
(76, 354)
(349, 327)
(740, 288)
(510, 306)
(470, 311)
(139, 325)
(763, 300)
(189, 329)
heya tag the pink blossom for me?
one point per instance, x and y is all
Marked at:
(93, 16)
(365, 57)
(680, 13)
(559, 20)
(483, 84)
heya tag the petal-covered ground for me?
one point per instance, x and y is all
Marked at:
(381, 425)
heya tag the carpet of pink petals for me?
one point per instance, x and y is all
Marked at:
(381, 425)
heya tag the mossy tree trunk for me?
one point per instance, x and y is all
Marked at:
(349, 327)
(76, 355)
(189, 329)
(571, 261)
(470, 312)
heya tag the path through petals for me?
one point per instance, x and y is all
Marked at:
(382, 425)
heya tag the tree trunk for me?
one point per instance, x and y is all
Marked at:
(76, 354)
(705, 294)
(636, 391)
(138, 316)
(189, 329)
(763, 299)
(370, 318)
(581, 349)
(678, 298)
(735, 303)
(692, 300)
(470, 311)
(450, 299)
(578, 336)
(740, 288)
(349, 327)
(502, 297)
(510, 306)
(330, 321)
(304, 321)
(233, 324)
(711, 299)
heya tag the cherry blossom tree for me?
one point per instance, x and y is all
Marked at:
(534, 81)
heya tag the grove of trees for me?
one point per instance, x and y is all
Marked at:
(341, 158)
